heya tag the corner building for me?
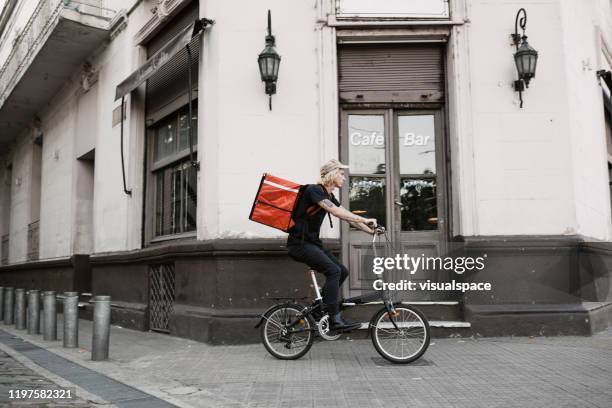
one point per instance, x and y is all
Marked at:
(105, 190)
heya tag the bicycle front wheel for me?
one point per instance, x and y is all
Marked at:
(403, 344)
(283, 335)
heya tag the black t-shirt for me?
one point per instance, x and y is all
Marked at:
(308, 215)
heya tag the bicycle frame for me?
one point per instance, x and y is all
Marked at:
(290, 328)
(308, 310)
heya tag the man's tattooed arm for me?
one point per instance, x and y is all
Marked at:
(342, 212)
(362, 226)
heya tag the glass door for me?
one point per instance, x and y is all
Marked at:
(418, 189)
(396, 175)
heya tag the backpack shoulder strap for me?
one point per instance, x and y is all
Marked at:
(312, 210)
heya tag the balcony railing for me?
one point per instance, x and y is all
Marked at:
(34, 34)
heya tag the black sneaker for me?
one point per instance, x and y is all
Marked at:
(339, 324)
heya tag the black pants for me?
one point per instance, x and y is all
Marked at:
(321, 260)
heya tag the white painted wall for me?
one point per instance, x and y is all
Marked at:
(536, 170)
(117, 216)
(20, 198)
(241, 138)
(582, 40)
(59, 128)
(461, 124)
(530, 171)
(5, 196)
(20, 16)
(110, 222)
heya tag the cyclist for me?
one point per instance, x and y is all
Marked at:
(304, 244)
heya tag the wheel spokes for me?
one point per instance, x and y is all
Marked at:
(407, 339)
(282, 338)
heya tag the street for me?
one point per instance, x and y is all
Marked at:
(455, 372)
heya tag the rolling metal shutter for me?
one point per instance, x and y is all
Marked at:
(167, 89)
(391, 72)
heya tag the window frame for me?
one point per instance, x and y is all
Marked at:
(607, 109)
(365, 17)
(154, 167)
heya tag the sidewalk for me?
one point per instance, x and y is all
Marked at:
(492, 372)
(14, 375)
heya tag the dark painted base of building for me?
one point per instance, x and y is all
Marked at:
(61, 275)
(220, 287)
(217, 289)
(539, 320)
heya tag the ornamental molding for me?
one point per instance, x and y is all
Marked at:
(162, 13)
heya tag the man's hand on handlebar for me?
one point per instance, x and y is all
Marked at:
(371, 222)
(379, 230)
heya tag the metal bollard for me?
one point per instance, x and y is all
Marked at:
(101, 328)
(41, 320)
(8, 306)
(1, 302)
(33, 312)
(20, 309)
(50, 324)
(71, 319)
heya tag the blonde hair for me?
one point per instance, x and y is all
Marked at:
(327, 178)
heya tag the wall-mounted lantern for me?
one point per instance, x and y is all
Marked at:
(269, 62)
(525, 57)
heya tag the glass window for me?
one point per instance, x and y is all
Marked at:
(367, 197)
(165, 138)
(176, 192)
(366, 144)
(393, 8)
(172, 134)
(608, 126)
(184, 131)
(366, 140)
(417, 144)
(419, 211)
(417, 165)
(174, 177)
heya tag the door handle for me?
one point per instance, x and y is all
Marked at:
(398, 203)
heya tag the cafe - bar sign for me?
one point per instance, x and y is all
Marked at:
(392, 8)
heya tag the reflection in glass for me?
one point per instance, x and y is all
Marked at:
(166, 140)
(366, 140)
(367, 197)
(172, 134)
(183, 131)
(417, 144)
(176, 197)
(419, 210)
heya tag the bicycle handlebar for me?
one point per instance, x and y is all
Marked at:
(379, 230)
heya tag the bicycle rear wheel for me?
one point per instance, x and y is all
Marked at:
(282, 341)
(403, 344)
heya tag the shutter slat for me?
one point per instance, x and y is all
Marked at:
(390, 67)
(185, 17)
(170, 82)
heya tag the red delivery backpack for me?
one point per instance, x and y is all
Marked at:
(275, 201)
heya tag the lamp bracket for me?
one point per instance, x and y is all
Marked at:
(516, 37)
(206, 22)
(519, 85)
